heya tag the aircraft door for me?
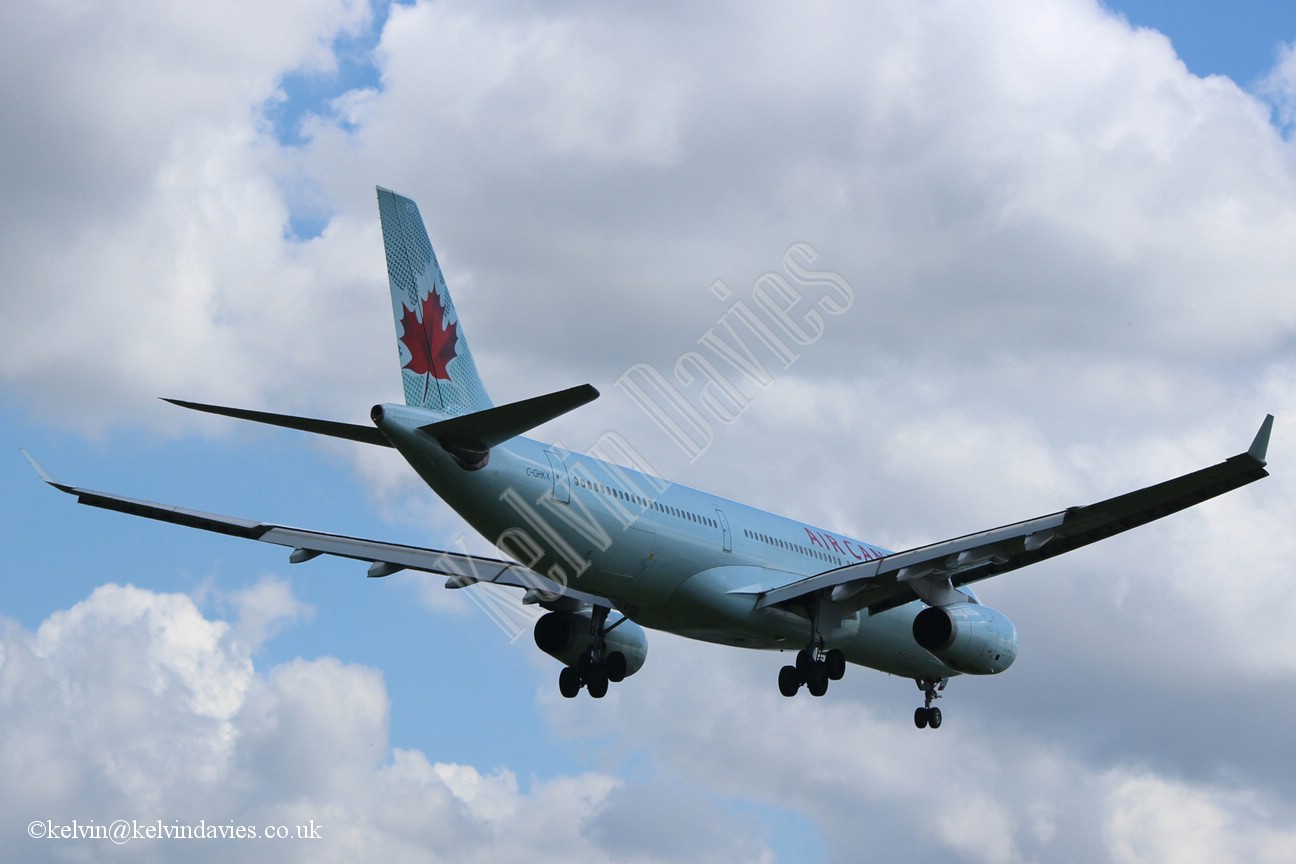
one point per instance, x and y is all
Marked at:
(561, 482)
(726, 537)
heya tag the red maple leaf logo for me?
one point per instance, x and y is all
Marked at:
(431, 345)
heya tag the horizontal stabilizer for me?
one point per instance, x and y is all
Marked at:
(332, 428)
(482, 430)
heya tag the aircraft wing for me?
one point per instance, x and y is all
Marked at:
(932, 573)
(383, 558)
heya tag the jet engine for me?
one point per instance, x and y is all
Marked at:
(969, 637)
(565, 636)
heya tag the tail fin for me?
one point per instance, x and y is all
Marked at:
(437, 369)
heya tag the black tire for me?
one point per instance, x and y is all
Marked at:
(597, 682)
(934, 718)
(616, 667)
(569, 682)
(920, 718)
(818, 682)
(789, 680)
(804, 663)
(835, 660)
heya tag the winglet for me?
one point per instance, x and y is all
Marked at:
(44, 475)
(1260, 446)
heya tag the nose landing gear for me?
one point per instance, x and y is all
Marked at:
(929, 715)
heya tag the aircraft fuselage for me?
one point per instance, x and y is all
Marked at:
(673, 558)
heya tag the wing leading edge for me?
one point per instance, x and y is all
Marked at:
(932, 573)
(383, 558)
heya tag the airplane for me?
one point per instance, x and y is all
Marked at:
(607, 551)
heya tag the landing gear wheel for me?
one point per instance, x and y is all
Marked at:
(835, 662)
(597, 666)
(569, 682)
(816, 664)
(789, 680)
(596, 682)
(929, 715)
(817, 681)
(616, 667)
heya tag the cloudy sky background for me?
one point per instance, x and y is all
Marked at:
(1071, 240)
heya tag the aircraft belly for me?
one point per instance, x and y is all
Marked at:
(629, 570)
(708, 607)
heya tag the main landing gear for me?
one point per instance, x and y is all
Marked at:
(593, 674)
(814, 668)
(928, 715)
(597, 667)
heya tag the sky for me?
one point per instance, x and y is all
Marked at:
(1068, 233)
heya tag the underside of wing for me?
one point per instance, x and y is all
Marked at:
(932, 573)
(383, 558)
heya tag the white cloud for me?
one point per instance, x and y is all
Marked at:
(1153, 819)
(1279, 88)
(988, 787)
(147, 230)
(134, 705)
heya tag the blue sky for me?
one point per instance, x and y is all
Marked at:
(1240, 40)
(1038, 335)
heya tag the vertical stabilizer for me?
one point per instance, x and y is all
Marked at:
(437, 369)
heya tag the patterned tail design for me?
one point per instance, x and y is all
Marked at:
(437, 369)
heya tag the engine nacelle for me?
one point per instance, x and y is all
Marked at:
(969, 637)
(565, 636)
